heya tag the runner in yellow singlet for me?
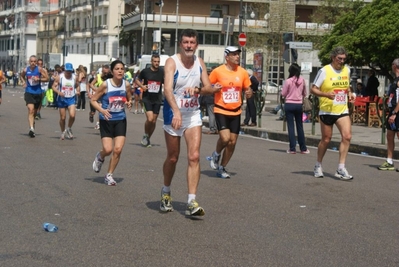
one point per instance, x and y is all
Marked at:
(332, 86)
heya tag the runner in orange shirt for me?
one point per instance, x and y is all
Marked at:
(2, 80)
(234, 80)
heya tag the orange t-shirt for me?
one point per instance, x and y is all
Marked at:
(229, 100)
(1, 78)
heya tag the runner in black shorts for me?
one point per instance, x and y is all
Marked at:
(152, 96)
(228, 122)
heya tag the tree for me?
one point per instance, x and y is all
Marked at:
(370, 34)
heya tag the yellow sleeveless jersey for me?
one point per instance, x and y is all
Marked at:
(339, 84)
(99, 80)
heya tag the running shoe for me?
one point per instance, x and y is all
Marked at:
(386, 167)
(63, 135)
(343, 174)
(305, 151)
(146, 141)
(193, 209)
(38, 117)
(69, 133)
(318, 172)
(91, 117)
(32, 133)
(222, 173)
(214, 162)
(97, 163)
(291, 152)
(97, 127)
(166, 202)
(109, 180)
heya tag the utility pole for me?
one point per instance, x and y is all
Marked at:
(243, 51)
(64, 50)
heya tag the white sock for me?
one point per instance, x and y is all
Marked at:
(341, 166)
(318, 164)
(191, 197)
(216, 153)
(109, 175)
(166, 189)
(389, 160)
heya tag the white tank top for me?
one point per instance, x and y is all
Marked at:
(67, 86)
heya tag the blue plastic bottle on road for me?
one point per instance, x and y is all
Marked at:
(49, 227)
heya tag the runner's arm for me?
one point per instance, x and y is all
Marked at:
(128, 96)
(44, 75)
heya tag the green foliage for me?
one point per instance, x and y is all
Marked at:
(370, 34)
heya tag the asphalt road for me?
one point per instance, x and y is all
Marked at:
(272, 212)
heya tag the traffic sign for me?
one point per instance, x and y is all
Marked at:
(242, 39)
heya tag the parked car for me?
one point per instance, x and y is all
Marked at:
(270, 87)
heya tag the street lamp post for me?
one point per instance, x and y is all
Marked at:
(160, 4)
(177, 24)
(143, 28)
(48, 40)
(92, 35)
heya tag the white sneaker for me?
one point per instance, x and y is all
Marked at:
(318, 172)
(97, 163)
(63, 135)
(109, 180)
(69, 133)
(214, 162)
(222, 173)
(343, 174)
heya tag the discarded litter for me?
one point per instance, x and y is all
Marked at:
(364, 153)
(49, 227)
(334, 148)
(302, 206)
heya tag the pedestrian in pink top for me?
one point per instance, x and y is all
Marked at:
(294, 90)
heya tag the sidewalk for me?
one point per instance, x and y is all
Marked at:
(365, 140)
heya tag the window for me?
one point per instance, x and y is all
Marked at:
(218, 11)
(88, 48)
(77, 49)
(105, 48)
(98, 49)
(210, 38)
(105, 19)
(99, 20)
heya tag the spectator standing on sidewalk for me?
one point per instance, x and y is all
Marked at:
(392, 121)
(294, 90)
(2, 80)
(332, 86)
(372, 85)
(250, 110)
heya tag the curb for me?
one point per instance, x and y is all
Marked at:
(370, 149)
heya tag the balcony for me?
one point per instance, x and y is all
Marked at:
(133, 21)
(11, 53)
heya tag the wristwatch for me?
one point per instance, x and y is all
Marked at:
(393, 112)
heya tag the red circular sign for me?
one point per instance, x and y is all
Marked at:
(242, 39)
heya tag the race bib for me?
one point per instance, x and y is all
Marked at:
(153, 86)
(341, 97)
(116, 103)
(187, 103)
(231, 94)
(68, 91)
(32, 80)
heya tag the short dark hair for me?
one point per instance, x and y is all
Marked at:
(188, 33)
(113, 64)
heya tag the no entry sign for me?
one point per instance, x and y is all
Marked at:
(242, 39)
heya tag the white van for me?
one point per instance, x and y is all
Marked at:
(145, 61)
